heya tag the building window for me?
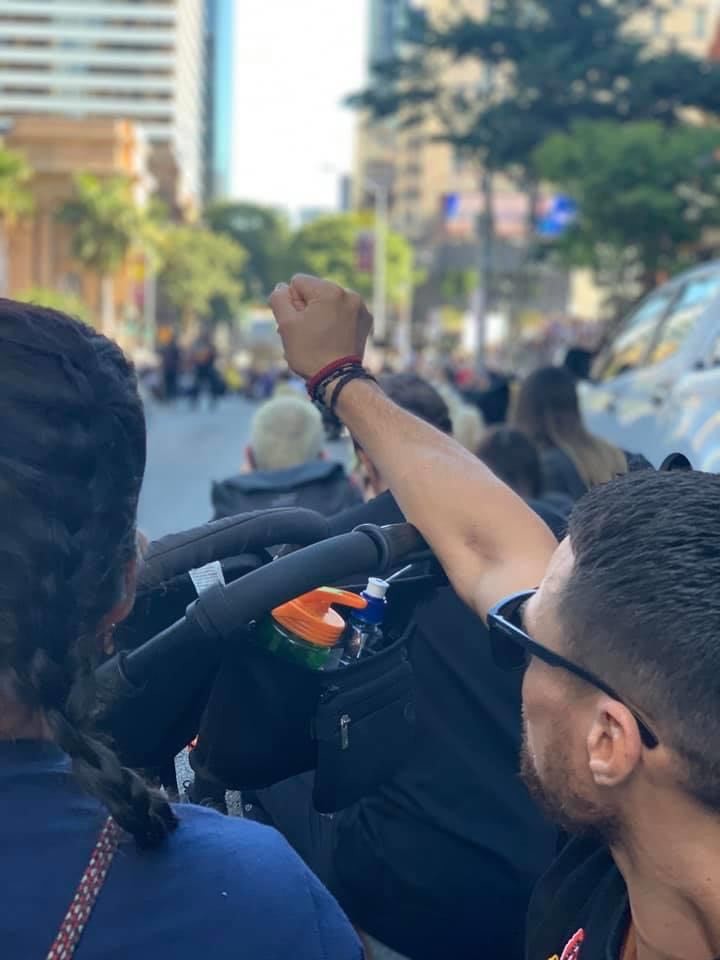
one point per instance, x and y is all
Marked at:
(700, 23)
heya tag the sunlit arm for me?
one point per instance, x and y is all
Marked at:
(488, 540)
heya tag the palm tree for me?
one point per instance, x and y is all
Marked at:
(106, 222)
(16, 199)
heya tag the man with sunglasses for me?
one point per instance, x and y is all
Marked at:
(620, 646)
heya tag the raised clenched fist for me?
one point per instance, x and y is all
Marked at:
(319, 322)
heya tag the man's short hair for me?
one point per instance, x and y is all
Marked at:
(286, 431)
(416, 395)
(642, 607)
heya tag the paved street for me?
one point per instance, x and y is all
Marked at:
(187, 450)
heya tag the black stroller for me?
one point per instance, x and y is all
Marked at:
(190, 666)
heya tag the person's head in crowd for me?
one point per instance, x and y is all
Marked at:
(547, 409)
(468, 426)
(468, 423)
(286, 432)
(415, 394)
(514, 458)
(631, 597)
(578, 362)
(72, 458)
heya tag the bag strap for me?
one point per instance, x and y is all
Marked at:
(91, 883)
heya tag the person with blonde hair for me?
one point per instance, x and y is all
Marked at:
(468, 423)
(573, 459)
(285, 465)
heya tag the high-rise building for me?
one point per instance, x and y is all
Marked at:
(141, 60)
(220, 77)
(418, 168)
(387, 20)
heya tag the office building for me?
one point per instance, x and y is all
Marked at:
(418, 169)
(219, 111)
(687, 25)
(38, 249)
(142, 61)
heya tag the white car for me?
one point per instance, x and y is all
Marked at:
(655, 387)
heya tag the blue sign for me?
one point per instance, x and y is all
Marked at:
(451, 206)
(563, 212)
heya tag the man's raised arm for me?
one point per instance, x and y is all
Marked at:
(488, 541)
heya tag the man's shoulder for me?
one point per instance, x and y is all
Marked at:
(580, 900)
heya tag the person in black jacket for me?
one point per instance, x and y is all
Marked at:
(440, 861)
(285, 465)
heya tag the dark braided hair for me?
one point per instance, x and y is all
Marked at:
(72, 458)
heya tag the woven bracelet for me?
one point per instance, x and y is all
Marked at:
(315, 381)
(357, 373)
(318, 394)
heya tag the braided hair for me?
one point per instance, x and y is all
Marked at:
(72, 458)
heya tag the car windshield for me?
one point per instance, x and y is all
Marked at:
(631, 345)
(696, 295)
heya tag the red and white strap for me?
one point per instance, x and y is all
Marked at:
(86, 894)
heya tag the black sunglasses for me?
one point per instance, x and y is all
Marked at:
(512, 648)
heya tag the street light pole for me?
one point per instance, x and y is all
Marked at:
(484, 293)
(380, 192)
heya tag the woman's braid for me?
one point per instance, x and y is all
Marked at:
(72, 457)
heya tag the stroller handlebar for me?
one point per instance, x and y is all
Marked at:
(145, 691)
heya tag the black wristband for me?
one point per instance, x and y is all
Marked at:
(357, 373)
(318, 392)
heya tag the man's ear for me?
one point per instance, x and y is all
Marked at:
(613, 743)
(250, 463)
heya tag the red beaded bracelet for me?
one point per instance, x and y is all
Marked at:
(315, 381)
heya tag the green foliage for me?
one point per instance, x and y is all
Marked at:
(16, 199)
(264, 234)
(328, 247)
(457, 286)
(105, 221)
(200, 271)
(68, 303)
(542, 66)
(645, 192)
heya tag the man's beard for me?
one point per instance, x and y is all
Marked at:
(560, 793)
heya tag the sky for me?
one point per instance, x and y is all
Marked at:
(295, 61)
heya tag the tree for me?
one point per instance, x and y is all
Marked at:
(68, 303)
(106, 222)
(329, 247)
(16, 199)
(263, 232)
(540, 66)
(646, 194)
(201, 269)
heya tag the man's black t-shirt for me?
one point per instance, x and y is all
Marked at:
(579, 910)
(440, 861)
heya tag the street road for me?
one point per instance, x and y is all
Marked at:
(187, 450)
